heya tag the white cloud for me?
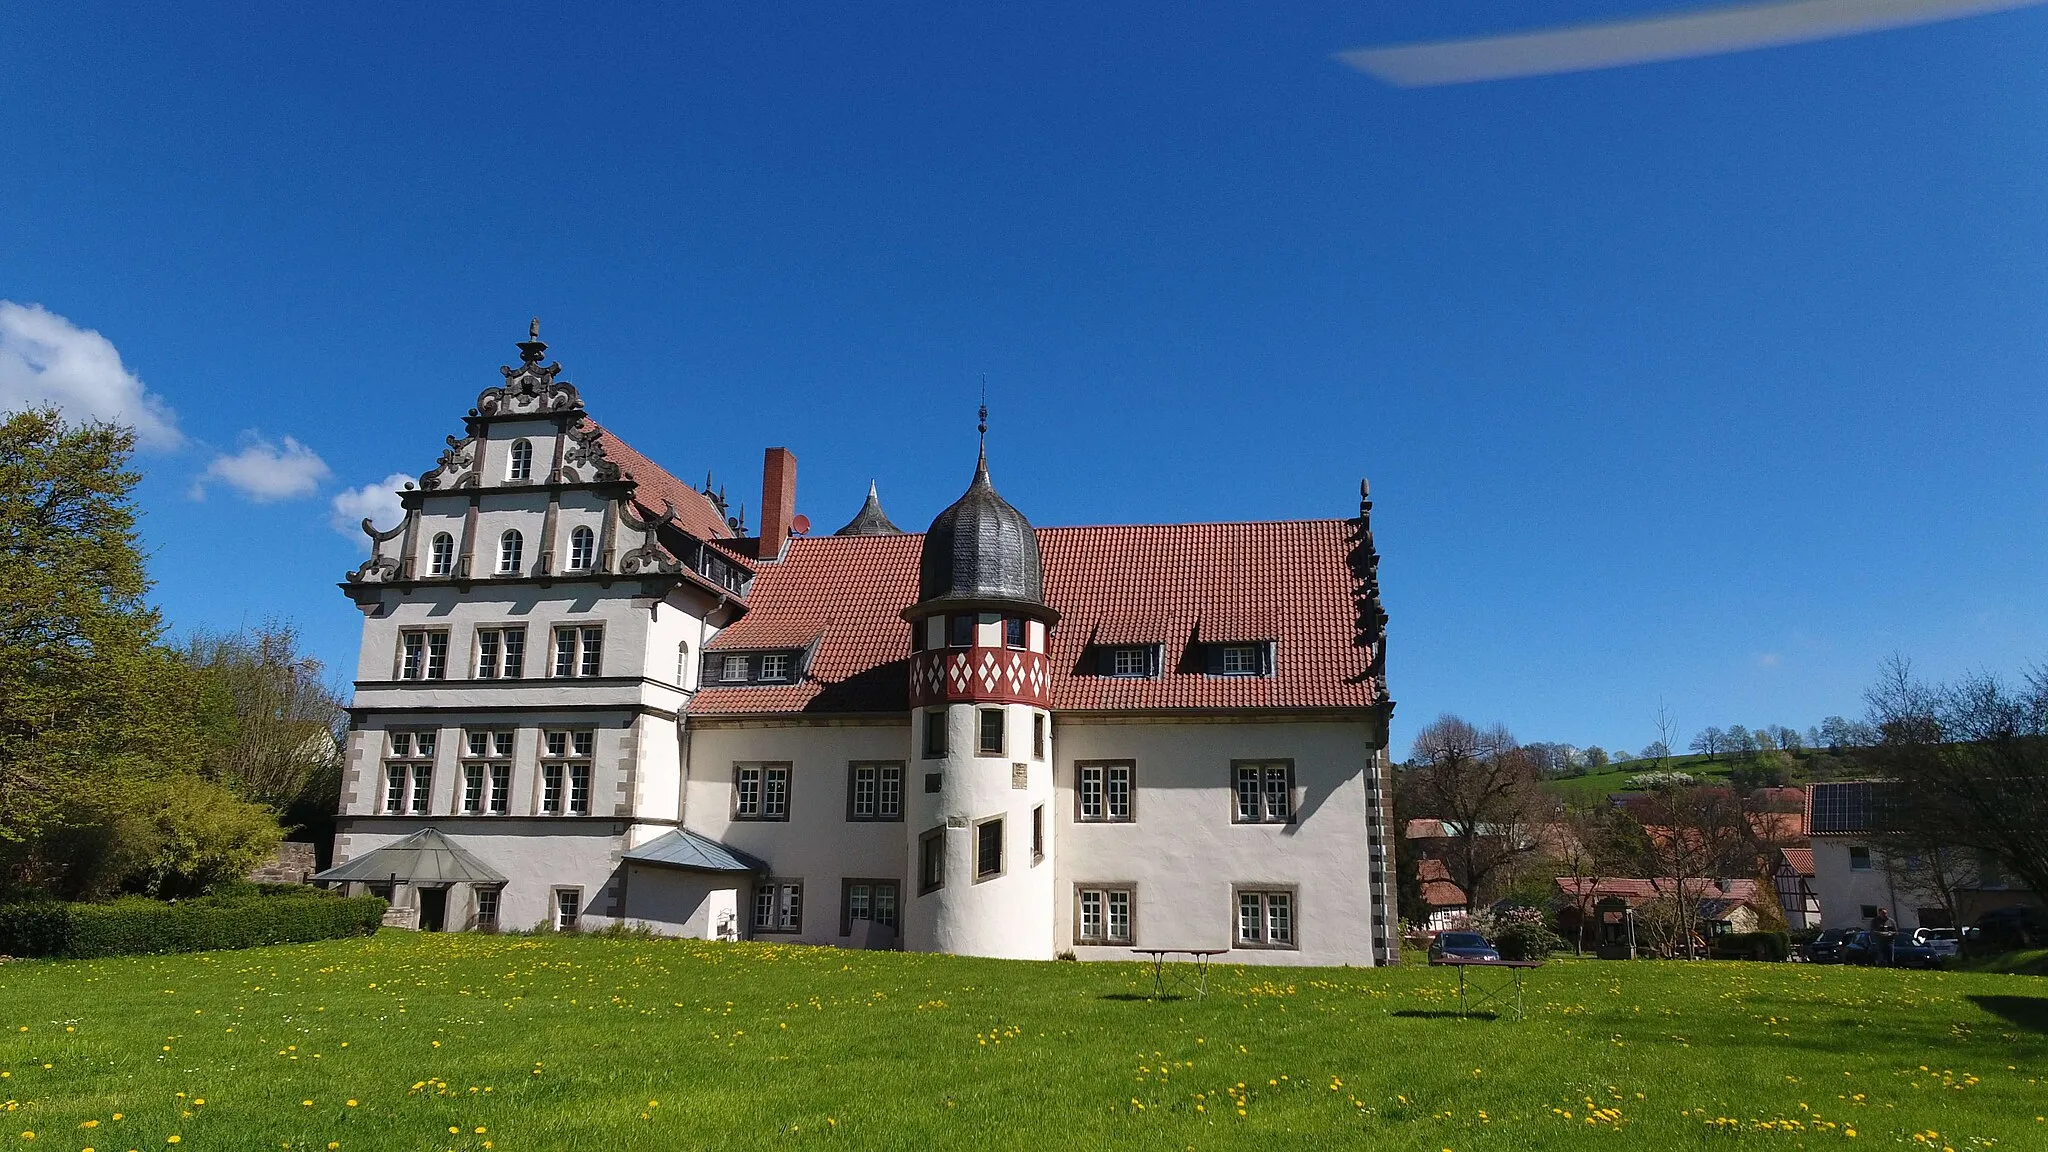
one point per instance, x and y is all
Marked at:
(377, 503)
(1681, 36)
(47, 360)
(1770, 660)
(266, 472)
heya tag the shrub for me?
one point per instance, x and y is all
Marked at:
(135, 924)
(1752, 946)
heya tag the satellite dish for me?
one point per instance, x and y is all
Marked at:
(801, 525)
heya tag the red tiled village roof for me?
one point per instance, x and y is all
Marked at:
(1438, 889)
(1801, 860)
(1290, 582)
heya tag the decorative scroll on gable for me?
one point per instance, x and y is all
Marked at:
(455, 469)
(530, 389)
(585, 459)
(650, 557)
(379, 568)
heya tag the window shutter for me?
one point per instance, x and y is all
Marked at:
(1105, 660)
(1152, 659)
(1212, 659)
(1266, 658)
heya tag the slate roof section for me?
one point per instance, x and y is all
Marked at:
(682, 848)
(870, 520)
(1302, 581)
(425, 857)
(981, 548)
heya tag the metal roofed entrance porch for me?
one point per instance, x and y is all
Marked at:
(427, 866)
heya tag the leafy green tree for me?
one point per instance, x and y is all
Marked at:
(98, 720)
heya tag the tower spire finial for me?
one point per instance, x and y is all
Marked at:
(981, 426)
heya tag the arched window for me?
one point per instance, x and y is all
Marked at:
(582, 549)
(441, 558)
(509, 546)
(521, 467)
(683, 664)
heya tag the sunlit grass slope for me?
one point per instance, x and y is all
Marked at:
(505, 1043)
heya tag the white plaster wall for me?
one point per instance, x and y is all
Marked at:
(534, 856)
(817, 846)
(658, 770)
(1008, 915)
(1843, 892)
(678, 902)
(1182, 854)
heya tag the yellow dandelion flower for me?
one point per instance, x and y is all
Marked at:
(174, 1139)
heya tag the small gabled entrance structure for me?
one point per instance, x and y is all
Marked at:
(417, 874)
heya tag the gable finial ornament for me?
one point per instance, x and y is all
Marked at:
(530, 389)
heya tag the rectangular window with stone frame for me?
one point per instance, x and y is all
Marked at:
(1263, 791)
(1267, 917)
(408, 772)
(1104, 792)
(565, 771)
(501, 653)
(867, 899)
(579, 651)
(487, 771)
(423, 654)
(779, 906)
(1104, 914)
(874, 790)
(760, 791)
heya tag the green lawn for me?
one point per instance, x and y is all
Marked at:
(475, 1042)
(1595, 785)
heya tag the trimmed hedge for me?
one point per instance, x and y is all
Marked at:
(136, 924)
(1752, 946)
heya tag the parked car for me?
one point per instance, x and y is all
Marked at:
(2013, 926)
(1827, 948)
(1946, 943)
(1862, 949)
(1462, 946)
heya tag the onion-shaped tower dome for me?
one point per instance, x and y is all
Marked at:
(980, 551)
(871, 520)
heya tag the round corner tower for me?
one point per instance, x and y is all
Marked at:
(980, 795)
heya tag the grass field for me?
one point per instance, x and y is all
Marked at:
(1595, 785)
(504, 1043)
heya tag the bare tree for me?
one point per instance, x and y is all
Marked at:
(288, 721)
(1709, 742)
(1667, 731)
(1485, 791)
(1696, 834)
(1967, 764)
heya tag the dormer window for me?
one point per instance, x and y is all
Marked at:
(582, 549)
(1240, 660)
(510, 545)
(521, 465)
(441, 556)
(1127, 661)
(733, 670)
(775, 667)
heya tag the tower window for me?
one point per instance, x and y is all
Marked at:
(935, 733)
(961, 631)
(931, 860)
(992, 733)
(521, 465)
(510, 546)
(582, 549)
(441, 555)
(988, 848)
(1013, 631)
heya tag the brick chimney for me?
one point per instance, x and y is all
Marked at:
(778, 500)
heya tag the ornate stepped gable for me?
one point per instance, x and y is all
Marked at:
(666, 514)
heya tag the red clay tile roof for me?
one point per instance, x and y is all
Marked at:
(1438, 889)
(1636, 891)
(1291, 582)
(1801, 860)
(695, 513)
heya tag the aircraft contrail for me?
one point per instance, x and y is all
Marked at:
(1615, 44)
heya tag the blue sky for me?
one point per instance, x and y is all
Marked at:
(1714, 381)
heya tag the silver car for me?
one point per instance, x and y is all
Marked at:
(1943, 942)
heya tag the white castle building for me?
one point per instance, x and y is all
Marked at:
(585, 697)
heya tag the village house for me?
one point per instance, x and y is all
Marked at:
(587, 695)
